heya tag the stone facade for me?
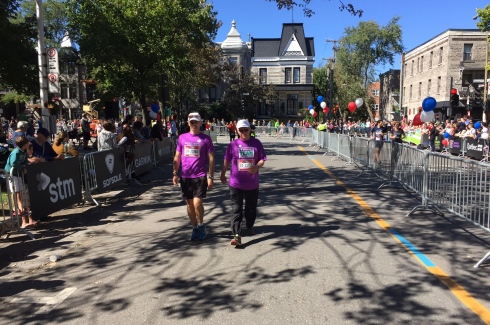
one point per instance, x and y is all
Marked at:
(389, 95)
(286, 63)
(452, 59)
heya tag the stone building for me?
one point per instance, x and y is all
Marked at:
(389, 95)
(453, 59)
(287, 63)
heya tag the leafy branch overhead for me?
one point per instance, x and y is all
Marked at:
(308, 12)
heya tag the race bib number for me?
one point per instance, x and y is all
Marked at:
(245, 152)
(245, 164)
(192, 150)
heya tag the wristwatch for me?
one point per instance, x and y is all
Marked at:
(211, 177)
(175, 174)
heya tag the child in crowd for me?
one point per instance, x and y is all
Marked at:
(17, 163)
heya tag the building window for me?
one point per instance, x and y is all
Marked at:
(202, 94)
(422, 63)
(404, 70)
(212, 93)
(296, 75)
(263, 75)
(438, 85)
(262, 110)
(404, 93)
(67, 67)
(375, 107)
(429, 82)
(233, 60)
(292, 105)
(375, 92)
(68, 91)
(411, 72)
(468, 48)
(441, 51)
(420, 89)
(287, 75)
(430, 59)
(410, 94)
(418, 65)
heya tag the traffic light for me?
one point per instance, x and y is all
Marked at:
(478, 97)
(454, 97)
(242, 103)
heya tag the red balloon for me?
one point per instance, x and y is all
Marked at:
(444, 142)
(416, 120)
(315, 114)
(352, 107)
(325, 110)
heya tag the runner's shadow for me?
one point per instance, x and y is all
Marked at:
(292, 236)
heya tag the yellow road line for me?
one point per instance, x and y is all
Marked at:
(464, 296)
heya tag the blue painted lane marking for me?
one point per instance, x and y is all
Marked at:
(427, 262)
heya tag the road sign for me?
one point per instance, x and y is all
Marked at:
(245, 94)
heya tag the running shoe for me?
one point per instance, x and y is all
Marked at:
(194, 235)
(201, 232)
(249, 231)
(236, 241)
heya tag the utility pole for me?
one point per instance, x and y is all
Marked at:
(331, 65)
(41, 52)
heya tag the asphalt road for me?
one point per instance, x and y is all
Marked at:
(322, 254)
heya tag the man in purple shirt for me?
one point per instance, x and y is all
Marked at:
(191, 151)
(246, 155)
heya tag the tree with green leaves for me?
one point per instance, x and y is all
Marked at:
(237, 84)
(362, 48)
(484, 24)
(308, 12)
(18, 58)
(128, 45)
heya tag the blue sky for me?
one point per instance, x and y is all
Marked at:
(420, 20)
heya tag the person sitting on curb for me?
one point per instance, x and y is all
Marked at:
(42, 148)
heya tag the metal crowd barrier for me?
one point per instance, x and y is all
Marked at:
(95, 175)
(17, 203)
(444, 182)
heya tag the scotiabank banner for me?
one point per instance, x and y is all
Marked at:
(109, 169)
(143, 162)
(54, 186)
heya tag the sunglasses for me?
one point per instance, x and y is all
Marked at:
(243, 130)
(193, 122)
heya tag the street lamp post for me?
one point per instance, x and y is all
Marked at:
(331, 68)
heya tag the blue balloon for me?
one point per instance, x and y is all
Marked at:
(320, 98)
(477, 125)
(155, 108)
(429, 104)
(310, 107)
(446, 135)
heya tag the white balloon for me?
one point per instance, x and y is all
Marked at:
(484, 136)
(153, 115)
(312, 111)
(323, 104)
(359, 102)
(427, 116)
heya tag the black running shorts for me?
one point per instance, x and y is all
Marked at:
(193, 187)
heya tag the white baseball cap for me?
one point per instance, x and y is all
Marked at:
(243, 124)
(194, 117)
